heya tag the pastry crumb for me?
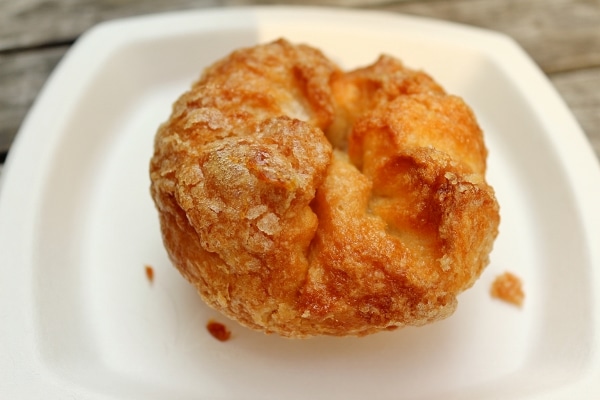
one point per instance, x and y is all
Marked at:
(509, 288)
(218, 331)
(149, 273)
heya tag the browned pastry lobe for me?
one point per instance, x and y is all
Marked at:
(302, 200)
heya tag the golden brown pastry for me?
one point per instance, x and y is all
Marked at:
(302, 200)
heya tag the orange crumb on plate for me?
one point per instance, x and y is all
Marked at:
(508, 287)
(218, 331)
(149, 273)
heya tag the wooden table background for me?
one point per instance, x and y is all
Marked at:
(562, 36)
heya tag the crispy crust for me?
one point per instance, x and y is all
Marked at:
(302, 200)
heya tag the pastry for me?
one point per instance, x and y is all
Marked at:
(303, 200)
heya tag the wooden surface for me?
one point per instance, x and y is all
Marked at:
(562, 36)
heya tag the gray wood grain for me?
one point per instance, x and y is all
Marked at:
(25, 23)
(21, 78)
(30, 23)
(558, 34)
(581, 91)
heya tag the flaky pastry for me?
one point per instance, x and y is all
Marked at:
(303, 200)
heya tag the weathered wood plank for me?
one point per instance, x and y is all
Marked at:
(29, 23)
(26, 23)
(21, 78)
(560, 35)
(581, 91)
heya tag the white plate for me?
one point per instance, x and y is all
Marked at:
(80, 319)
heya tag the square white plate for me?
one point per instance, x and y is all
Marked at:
(79, 318)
